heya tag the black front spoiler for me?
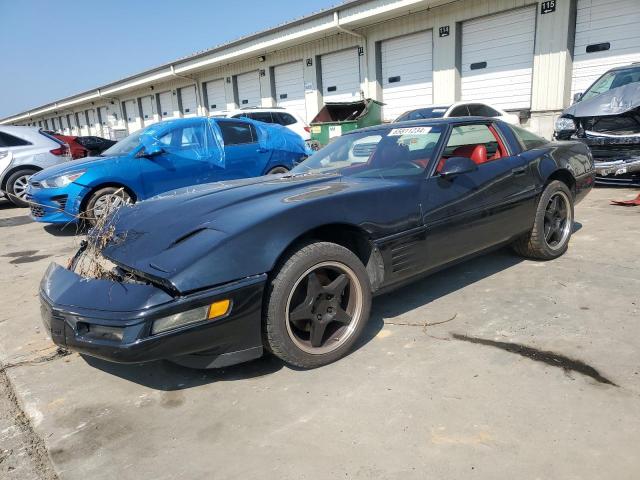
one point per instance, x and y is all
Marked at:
(70, 305)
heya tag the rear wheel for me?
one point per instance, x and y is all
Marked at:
(17, 187)
(277, 170)
(318, 305)
(103, 201)
(552, 226)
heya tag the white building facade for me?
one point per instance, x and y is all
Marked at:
(524, 56)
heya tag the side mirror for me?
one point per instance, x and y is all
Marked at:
(457, 166)
(150, 146)
(577, 96)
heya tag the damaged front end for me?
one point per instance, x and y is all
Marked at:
(610, 125)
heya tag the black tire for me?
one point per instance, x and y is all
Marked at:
(16, 187)
(277, 170)
(92, 207)
(279, 338)
(535, 244)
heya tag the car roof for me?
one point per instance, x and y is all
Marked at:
(624, 67)
(428, 123)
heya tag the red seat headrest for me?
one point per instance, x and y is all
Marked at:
(477, 153)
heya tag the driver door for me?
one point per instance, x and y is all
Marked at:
(190, 156)
(472, 211)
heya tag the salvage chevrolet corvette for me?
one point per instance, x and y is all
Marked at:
(212, 275)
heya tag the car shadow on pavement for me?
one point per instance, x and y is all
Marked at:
(166, 376)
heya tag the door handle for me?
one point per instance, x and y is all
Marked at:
(518, 171)
(261, 150)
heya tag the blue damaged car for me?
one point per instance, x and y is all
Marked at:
(162, 157)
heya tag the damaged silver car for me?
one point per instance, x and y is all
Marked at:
(607, 118)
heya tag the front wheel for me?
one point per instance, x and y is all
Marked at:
(317, 306)
(17, 187)
(104, 201)
(277, 170)
(552, 226)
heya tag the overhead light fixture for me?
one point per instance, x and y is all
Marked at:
(261, 58)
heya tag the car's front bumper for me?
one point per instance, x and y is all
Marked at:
(56, 205)
(71, 305)
(617, 159)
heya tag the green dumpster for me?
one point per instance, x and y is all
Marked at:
(341, 117)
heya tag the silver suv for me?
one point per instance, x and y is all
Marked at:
(23, 152)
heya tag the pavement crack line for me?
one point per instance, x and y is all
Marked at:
(34, 446)
(58, 353)
(550, 358)
(423, 325)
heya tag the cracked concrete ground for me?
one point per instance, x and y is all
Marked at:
(525, 369)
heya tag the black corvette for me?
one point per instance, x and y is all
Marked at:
(212, 275)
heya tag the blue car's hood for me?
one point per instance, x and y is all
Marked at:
(72, 166)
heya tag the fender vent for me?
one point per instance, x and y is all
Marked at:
(405, 255)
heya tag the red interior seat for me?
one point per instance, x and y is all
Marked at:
(477, 153)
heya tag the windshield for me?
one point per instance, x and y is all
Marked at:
(124, 146)
(422, 113)
(379, 153)
(611, 80)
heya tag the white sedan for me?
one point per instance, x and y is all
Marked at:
(459, 109)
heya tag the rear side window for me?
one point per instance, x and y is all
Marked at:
(7, 140)
(237, 133)
(479, 110)
(528, 139)
(261, 117)
(284, 118)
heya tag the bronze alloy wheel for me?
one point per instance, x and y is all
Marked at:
(558, 220)
(324, 308)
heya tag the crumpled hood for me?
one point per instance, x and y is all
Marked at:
(614, 102)
(148, 233)
(212, 234)
(71, 166)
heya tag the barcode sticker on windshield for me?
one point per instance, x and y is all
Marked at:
(398, 132)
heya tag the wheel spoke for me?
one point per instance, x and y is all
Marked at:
(317, 333)
(302, 311)
(549, 233)
(342, 316)
(336, 288)
(314, 287)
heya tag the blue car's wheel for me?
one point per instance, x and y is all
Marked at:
(104, 201)
(277, 170)
(318, 305)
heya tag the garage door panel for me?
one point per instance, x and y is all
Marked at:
(601, 21)
(189, 101)
(132, 115)
(289, 87)
(341, 76)
(407, 73)
(506, 80)
(216, 96)
(148, 116)
(166, 105)
(249, 94)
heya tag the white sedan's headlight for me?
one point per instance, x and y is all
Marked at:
(61, 180)
(564, 124)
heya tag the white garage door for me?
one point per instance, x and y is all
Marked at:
(216, 97)
(249, 94)
(147, 110)
(497, 58)
(82, 123)
(341, 76)
(166, 105)
(94, 126)
(189, 101)
(133, 115)
(407, 73)
(607, 36)
(54, 124)
(289, 83)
